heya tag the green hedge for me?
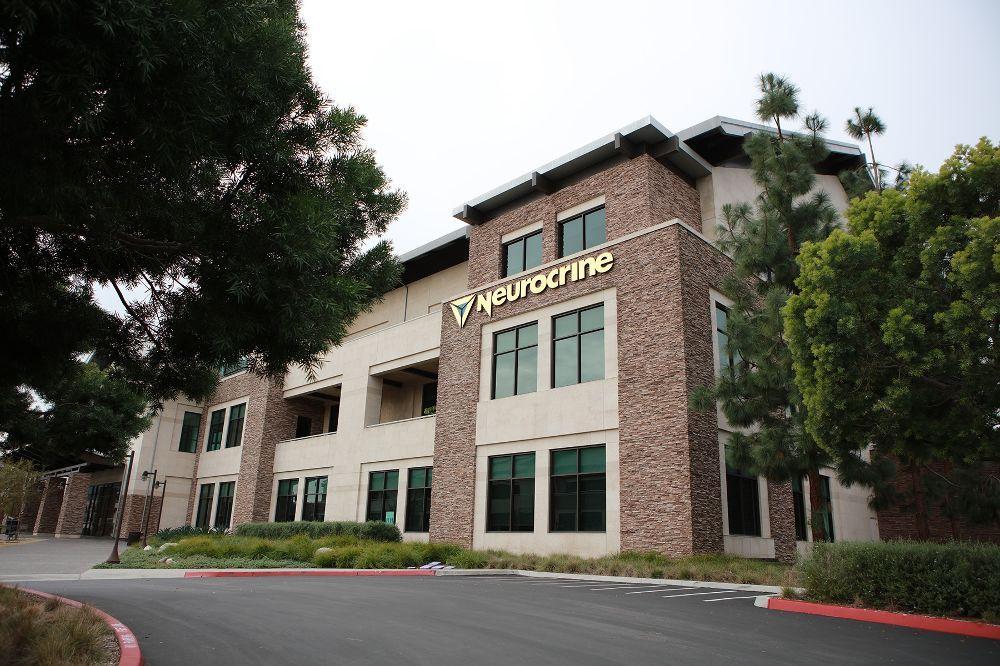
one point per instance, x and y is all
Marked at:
(177, 533)
(371, 531)
(953, 579)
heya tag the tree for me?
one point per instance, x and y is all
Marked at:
(894, 336)
(757, 392)
(182, 150)
(871, 175)
(17, 483)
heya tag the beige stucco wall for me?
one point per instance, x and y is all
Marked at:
(732, 185)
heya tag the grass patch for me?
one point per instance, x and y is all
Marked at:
(350, 552)
(952, 579)
(44, 632)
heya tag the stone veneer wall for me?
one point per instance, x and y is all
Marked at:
(49, 506)
(132, 518)
(74, 505)
(669, 465)
(268, 419)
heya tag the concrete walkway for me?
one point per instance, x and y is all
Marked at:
(46, 558)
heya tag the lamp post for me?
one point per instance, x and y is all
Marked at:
(147, 505)
(163, 499)
(113, 557)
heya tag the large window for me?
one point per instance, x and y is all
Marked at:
(826, 510)
(799, 505)
(231, 369)
(577, 490)
(583, 231)
(234, 433)
(303, 426)
(727, 358)
(511, 491)
(314, 500)
(204, 505)
(418, 499)
(215, 426)
(743, 499)
(284, 507)
(515, 361)
(382, 488)
(334, 419)
(189, 432)
(523, 254)
(224, 505)
(578, 346)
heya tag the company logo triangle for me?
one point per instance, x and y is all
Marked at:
(461, 307)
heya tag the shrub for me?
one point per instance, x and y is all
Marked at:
(177, 533)
(372, 530)
(40, 631)
(956, 579)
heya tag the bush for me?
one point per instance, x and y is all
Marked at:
(954, 579)
(177, 533)
(44, 631)
(370, 531)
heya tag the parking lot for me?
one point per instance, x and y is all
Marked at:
(489, 620)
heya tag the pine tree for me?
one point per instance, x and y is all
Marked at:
(871, 175)
(757, 390)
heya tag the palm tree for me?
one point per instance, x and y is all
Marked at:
(863, 125)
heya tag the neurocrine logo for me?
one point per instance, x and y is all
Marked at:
(461, 307)
(575, 270)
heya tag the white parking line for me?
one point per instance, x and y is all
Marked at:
(695, 594)
(619, 585)
(660, 588)
(731, 598)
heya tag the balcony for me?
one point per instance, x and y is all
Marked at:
(403, 393)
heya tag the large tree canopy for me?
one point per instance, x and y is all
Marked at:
(894, 332)
(182, 149)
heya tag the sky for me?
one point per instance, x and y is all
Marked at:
(462, 97)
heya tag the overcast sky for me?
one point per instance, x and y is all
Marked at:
(462, 97)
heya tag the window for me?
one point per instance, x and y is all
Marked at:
(382, 495)
(418, 499)
(189, 432)
(743, 500)
(215, 430)
(314, 500)
(284, 507)
(722, 337)
(578, 346)
(234, 433)
(522, 254)
(231, 369)
(515, 361)
(204, 505)
(334, 418)
(577, 490)
(511, 493)
(583, 231)
(429, 399)
(799, 505)
(224, 505)
(826, 512)
(303, 426)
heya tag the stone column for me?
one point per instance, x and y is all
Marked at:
(782, 515)
(49, 506)
(73, 506)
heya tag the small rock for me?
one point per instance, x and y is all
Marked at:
(162, 548)
(324, 549)
(148, 548)
(169, 560)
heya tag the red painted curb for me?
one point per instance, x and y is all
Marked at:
(925, 622)
(317, 572)
(128, 645)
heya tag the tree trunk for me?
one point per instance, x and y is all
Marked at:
(815, 507)
(919, 504)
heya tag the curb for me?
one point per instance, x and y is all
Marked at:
(128, 645)
(742, 587)
(259, 573)
(924, 622)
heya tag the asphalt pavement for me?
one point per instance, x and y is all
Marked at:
(489, 620)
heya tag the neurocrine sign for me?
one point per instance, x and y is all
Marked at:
(485, 301)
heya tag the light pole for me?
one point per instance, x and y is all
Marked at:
(147, 505)
(113, 557)
(163, 498)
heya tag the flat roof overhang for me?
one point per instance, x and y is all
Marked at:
(720, 140)
(645, 136)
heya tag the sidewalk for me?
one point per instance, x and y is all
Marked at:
(46, 558)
